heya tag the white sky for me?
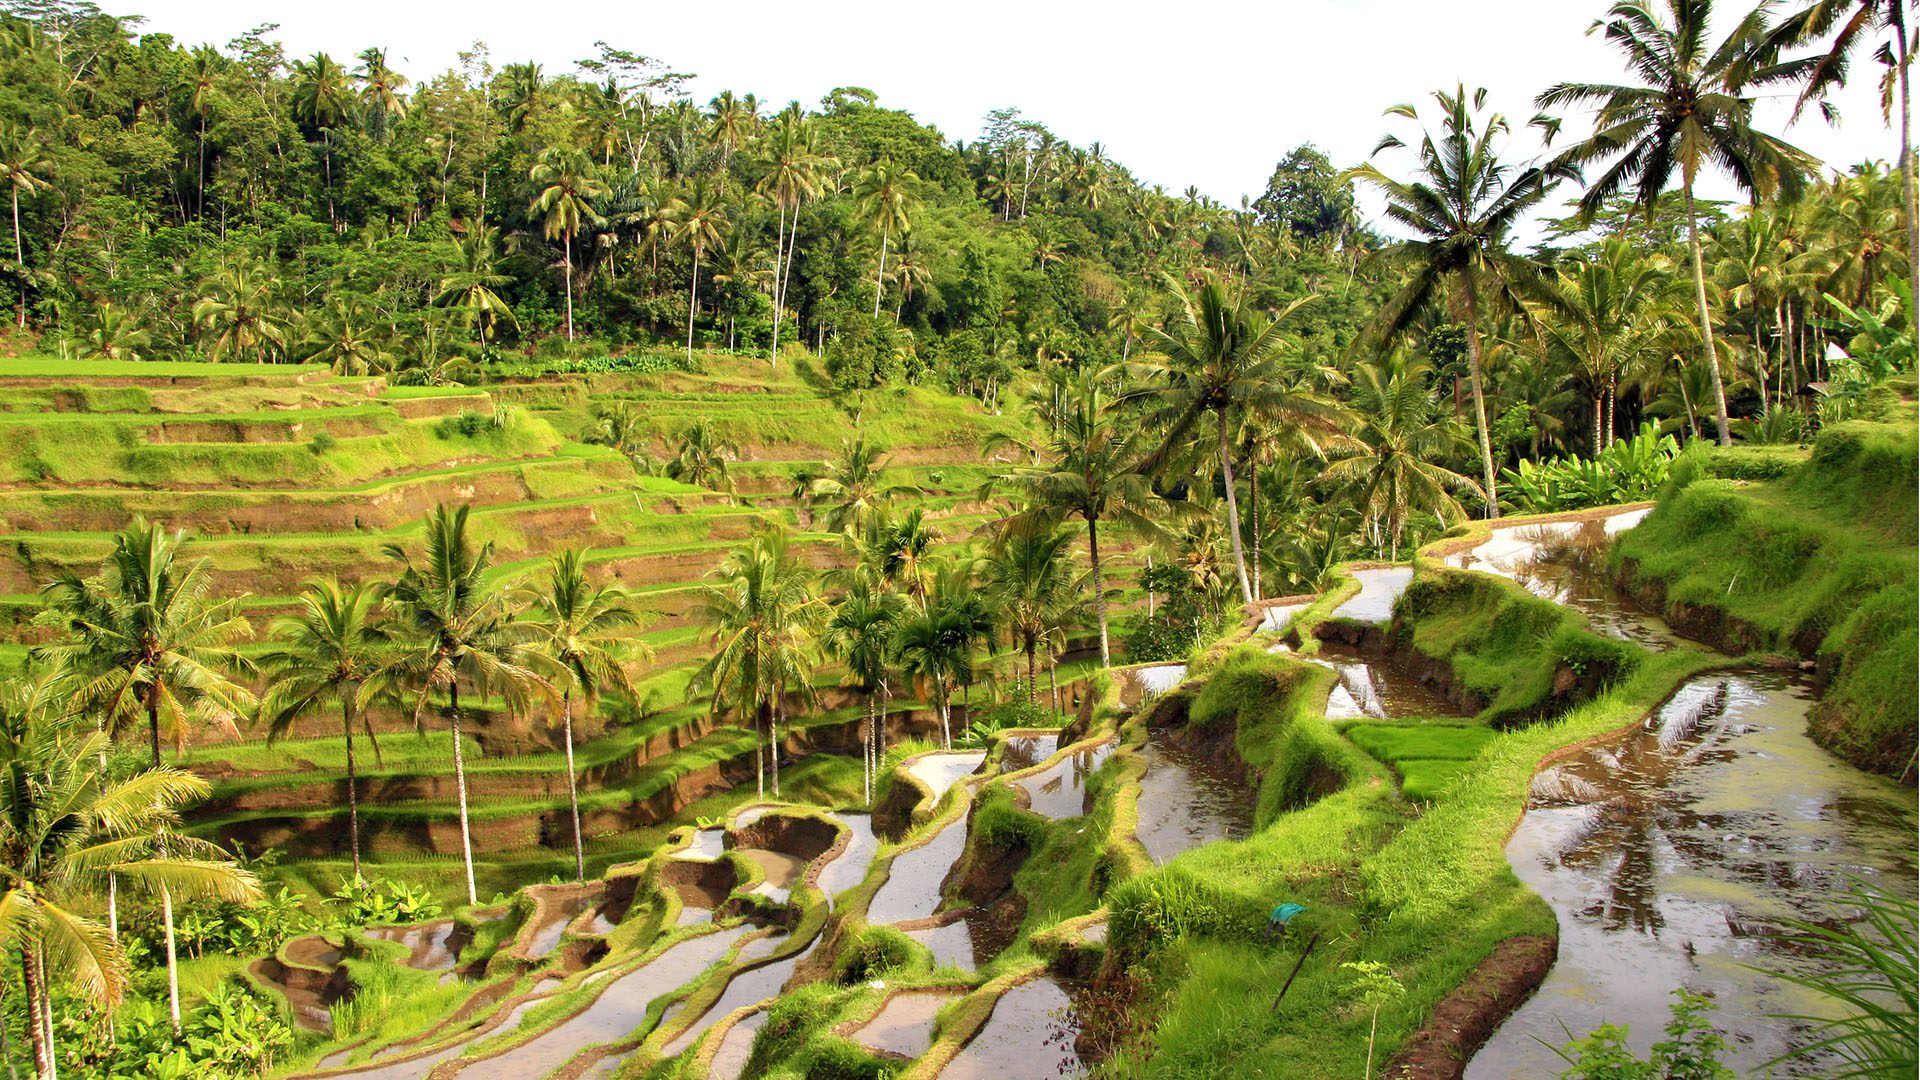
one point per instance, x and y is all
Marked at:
(1202, 92)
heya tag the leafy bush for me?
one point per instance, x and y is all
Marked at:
(1628, 471)
(999, 825)
(321, 443)
(1017, 713)
(1169, 903)
(876, 951)
(371, 902)
(1691, 1050)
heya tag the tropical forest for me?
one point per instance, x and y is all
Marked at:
(520, 570)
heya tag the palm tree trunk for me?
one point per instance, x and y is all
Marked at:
(1233, 511)
(200, 210)
(1596, 422)
(866, 752)
(1099, 585)
(1033, 676)
(573, 788)
(1466, 314)
(566, 240)
(762, 714)
(6, 1041)
(779, 240)
(1253, 518)
(946, 730)
(353, 789)
(773, 747)
(173, 960)
(880, 279)
(693, 291)
(1706, 319)
(33, 979)
(19, 257)
(1907, 181)
(460, 789)
(1053, 680)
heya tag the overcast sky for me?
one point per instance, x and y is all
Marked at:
(1203, 92)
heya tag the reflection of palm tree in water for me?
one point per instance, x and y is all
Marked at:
(1637, 810)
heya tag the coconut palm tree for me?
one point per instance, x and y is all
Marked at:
(322, 99)
(1461, 207)
(904, 546)
(860, 634)
(114, 333)
(23, 169)
(795, 175)
(699, 217)
(565, 184)
(1221, 359)
(345, 339)
(1401, 436)
(1690, 109)
(588, 635)
(1087, 468)
(1604, 311)
(935, 649)
(238, 315)
(854, 488)
(885, 194)
(471, 286)
(703, 456)
(195, 88)
(326, 654)
(761, 617)
(1031, 586)
(459, 629)
(380, 94)
(65, 824)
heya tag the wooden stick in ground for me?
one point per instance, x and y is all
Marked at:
(1297, 964)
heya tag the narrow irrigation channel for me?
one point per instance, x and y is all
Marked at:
(1671, 854)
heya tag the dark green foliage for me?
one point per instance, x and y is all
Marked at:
(998, 825)
(1169, 904)
(874, 952)
(835, 1058)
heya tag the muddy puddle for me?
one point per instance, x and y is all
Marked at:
(967, 942)
(1186, 801)
(706, 844)
(904, 1025)
(1378, 591)
(1376, 689)
(1023, 1037)
(1566, 562)
(747, 988)
(942, 769)
(1157, 680)
(417, 1068)
(1670, 855)
(730, 1057)
(1061, 790)
(613, 1016)
(912, 888)
(1026, 751)
(782, 872)
(1274, 619)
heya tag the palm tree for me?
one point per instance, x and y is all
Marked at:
(588, 635)
(860, 635)
(703, 456)
(326, 654)
(23, 169)
(935, 650)
(621, 426)
(380, 88)
(854, 488)
(141, 639)
(698, 216)
(461, 628)
(344, 339)
(322, 98)
(471, 286)
(761, 615)
(1031, 587)
(1222, 359)
(1607, 311)
(113, 333)
(196, 87)
(904, 547)
(1461, 207)
(795, 174)
(1689, 110)
(566, 183)
(1401, 436)
(1847, 25)
(885, 194)
(1088, 468)
(64, 825)
(238, 314)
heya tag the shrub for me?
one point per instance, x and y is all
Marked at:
(1628, 471)
(1169, 903)
(999, 825)
(875, 952)
(321, 443)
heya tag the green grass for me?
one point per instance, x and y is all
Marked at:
(51, 366)
(1820, 562)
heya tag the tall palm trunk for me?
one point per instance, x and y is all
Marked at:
(1099, 585)
(573, 787)
(33, 977)
(19, 258)
(880, 279)
(1233, 510)
(1033, 674)
(200, 208)
(866, 752)
(1253, 518)
(764, 714)
(1902, 46)
(353, 787)
(1466, 313)
(1706, 318)
(566, 242)
(1596, 422)
(773, 748)
(693, 292)
(460, 789)
(166, 895)
(946, 730)
(779, 241)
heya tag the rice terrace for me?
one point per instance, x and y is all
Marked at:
(518, 567)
